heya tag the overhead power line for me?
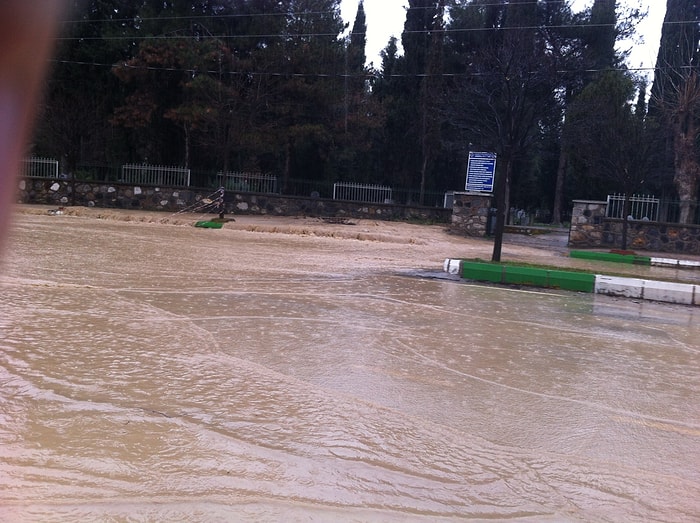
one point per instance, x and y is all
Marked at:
(295, 14)
(330, 75)
(172, 36)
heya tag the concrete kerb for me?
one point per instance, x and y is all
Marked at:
(635, 288)
(668, 292)
(669, 262)
(635, 259)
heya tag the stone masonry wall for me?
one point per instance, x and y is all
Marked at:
(586, 223)
(470, 214)
(590, 228)
(653, 236)
(124, 196)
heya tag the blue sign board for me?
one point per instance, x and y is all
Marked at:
(481, 170)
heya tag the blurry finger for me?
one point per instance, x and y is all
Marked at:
(27, 29)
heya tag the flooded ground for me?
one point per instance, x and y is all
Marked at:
(293, 370)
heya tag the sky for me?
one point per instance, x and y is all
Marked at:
(386, 17)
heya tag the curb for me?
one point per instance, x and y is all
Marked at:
(634, 259)
(635, 288)
(669, 262)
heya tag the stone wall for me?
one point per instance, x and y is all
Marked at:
(590, 228)
(653, 236)
(124, 196)
(586, 223)
(470, 214)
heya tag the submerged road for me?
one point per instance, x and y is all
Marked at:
(162, 372)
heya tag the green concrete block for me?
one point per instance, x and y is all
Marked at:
(482, 271)
(526, 276)
(532, 276)
(584, 255)
(612, 257)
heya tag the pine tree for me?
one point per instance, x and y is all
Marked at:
(412, 124)
(612, 136)
(595, 43)
(305, 107)
(81, 91)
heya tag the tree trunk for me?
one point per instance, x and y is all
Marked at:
(287, 165)
(685, 157)
(423, 171)
(187, 145)
(506, 202)
(559, 187)
(501, 211)
(425, 147)
(687, 172)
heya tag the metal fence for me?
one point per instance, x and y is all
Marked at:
(167, 176)
(358, 192)
(40, 168)
(642, 207)
(248, 182)
(156, 175)
(650, 208)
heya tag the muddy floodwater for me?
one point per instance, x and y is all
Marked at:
(275, 372)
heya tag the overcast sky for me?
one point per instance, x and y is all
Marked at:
(386, 17)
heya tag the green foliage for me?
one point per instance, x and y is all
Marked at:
(277, 86)
(609, 140)
(675, 102)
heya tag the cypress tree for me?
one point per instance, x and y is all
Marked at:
(358, 42)
(675, 99)
(412, 126)
(595, 41)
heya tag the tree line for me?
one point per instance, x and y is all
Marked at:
(282, 87)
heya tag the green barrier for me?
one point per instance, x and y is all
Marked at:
(514, 275)
(632, 259)
(526, 276)
(207, 224)
(482, 271)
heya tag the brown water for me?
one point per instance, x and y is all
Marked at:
(166, 373)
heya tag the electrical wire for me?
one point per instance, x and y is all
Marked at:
(201, 37)
(172, 36)
(366, 75)
(294, 14)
